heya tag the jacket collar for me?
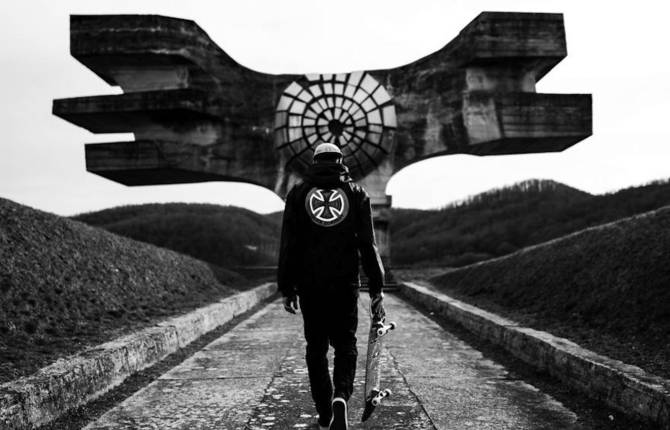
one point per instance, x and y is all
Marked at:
(328, 174)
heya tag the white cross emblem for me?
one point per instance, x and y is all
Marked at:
(327, 207)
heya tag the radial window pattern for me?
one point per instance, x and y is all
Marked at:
(351, 110)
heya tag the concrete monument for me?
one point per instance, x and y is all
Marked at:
(197, 115)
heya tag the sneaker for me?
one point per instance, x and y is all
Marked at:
(326, 427)
(339, 414)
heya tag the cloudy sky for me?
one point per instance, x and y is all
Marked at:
(617, 51)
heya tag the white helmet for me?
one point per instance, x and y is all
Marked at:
(327, 148)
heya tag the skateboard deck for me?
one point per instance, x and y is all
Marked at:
(373, 391)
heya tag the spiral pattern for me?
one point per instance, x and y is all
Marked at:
(351, 110)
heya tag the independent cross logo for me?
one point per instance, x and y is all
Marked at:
(327, 207)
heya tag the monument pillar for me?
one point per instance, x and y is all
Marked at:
(375, 184)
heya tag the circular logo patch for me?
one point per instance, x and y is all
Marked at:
(327, 207)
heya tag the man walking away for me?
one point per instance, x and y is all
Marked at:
(327, 224)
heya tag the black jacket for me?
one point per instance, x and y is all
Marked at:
(327, 223)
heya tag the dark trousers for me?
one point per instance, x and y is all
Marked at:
(330, 315)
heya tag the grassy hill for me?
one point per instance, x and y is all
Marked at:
(275, 217)
(225, 236)
(65, 285)
(502, 221)
(606, 288)
(487, 225)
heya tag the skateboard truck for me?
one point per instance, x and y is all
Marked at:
(374, 399)
(384, 328)
(377, 398)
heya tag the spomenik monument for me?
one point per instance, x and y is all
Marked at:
(197, 115)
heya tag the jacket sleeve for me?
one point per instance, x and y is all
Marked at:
(286, 280)
(372, 262)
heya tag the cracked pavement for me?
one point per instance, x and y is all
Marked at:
(255, 377)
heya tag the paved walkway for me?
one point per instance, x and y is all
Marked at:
(254, 377)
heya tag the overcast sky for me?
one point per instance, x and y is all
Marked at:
(617, 51)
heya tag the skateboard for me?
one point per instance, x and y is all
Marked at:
(373, 392)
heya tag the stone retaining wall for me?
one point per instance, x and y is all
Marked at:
(626, 388)
(39, 398)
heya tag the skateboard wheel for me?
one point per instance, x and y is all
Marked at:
(377, 400)
(381, 331)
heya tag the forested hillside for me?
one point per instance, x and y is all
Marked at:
(483, 226)
(225, 236)
(502, 221)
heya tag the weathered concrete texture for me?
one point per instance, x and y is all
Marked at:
(475, 95)
(180, 87)
(459, 388)
(55, 389)
(130, 163)
(255, 377)
(219, 386)
(624, 387)
(182, 135)
(287, 402)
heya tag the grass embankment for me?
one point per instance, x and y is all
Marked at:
(65, 285)
(606, 288)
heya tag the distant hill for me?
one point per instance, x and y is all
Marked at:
(605, 287)
(225, 236)
(487, 225)
(65, 285)
(275, 217)
(504, 220)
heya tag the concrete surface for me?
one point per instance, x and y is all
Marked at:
(624, 387)
(254, 377)
(476, 94)
(68, 383)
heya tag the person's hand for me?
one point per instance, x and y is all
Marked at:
(291, 304)
(376, 307)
